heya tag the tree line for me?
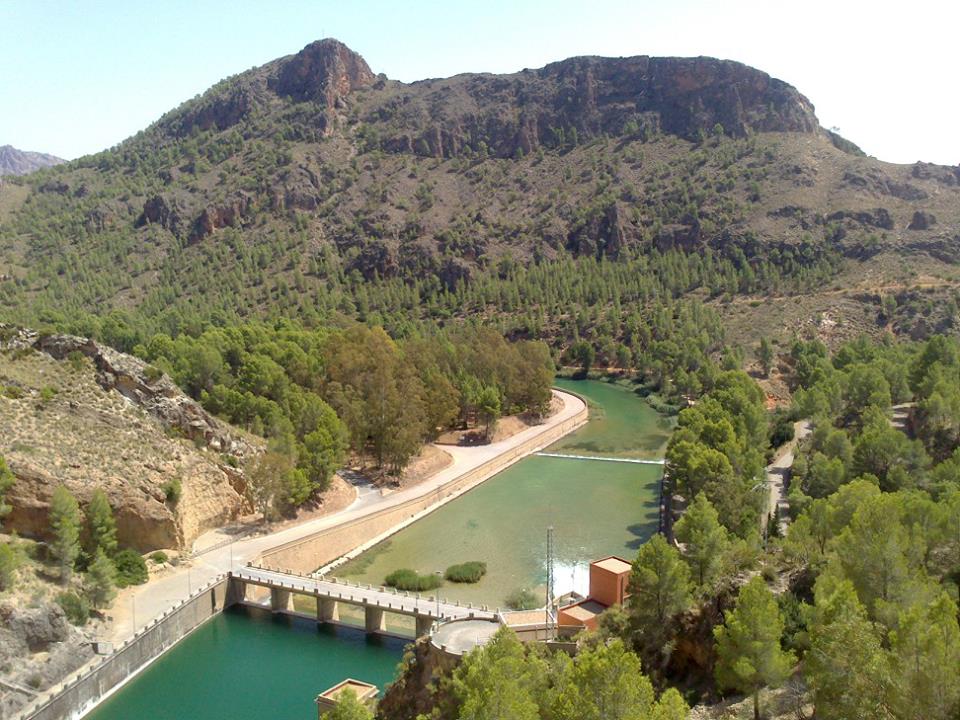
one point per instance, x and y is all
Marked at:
(320, 394)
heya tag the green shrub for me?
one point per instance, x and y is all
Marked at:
(522, 599)
(76, 360)
(468, 572)
(152, 373)
(159, 557)
(13, 392)
(47, 394)
(408, 580)
(131, 568)
(173, 489)
(75, 606)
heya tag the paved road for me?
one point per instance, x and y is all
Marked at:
(138, 605)
(364, 595)
(777, 473)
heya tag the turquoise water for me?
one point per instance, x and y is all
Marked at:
(249, 665)
(596, 508)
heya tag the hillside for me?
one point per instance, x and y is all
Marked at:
(85, 416)
(21, 162)
(312, 187)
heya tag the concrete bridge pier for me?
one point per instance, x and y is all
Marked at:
(236, 592)
(327, 610)
(424, 623)
(280, 600)
(374, 620)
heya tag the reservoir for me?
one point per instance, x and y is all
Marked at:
(248, 665)
(597, 508)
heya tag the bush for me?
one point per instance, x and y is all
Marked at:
(468, 572)
(173, 489)
(131, 568)
(75, 606)
(522, 599)
(782, 431)
(47, 394)
(408, 580)
(76, 360)
(152, 373)
(159, 557)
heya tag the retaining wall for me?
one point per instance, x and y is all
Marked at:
(76, 697)
(307, 554)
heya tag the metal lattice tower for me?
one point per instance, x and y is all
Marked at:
(549, 604)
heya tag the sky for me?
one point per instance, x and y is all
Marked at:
(80, 76)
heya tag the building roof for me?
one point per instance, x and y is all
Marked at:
(519, 618)
(360, 688)
(613, 564)
(584, 610)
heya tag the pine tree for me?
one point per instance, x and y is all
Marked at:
(659, 587)
(705, 541)
(100, 582)
(100, 525)
(65, 523)
(766, 356)
(748, 644)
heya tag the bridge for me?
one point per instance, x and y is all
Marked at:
(329, 593)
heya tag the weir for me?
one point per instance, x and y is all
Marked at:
(603, 459)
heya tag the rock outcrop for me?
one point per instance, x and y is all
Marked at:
(38, 648)
(580, 98)
(324, 71)
(170, 469)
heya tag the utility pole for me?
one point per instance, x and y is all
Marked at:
(548, 607)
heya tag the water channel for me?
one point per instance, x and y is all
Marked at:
(597, 508)
(246, 664)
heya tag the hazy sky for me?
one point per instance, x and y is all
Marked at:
(77, 77)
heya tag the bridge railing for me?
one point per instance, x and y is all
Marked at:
(382, 589)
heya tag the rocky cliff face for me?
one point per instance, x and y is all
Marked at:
(581, 98)
(81, 414)
(21, 162)
(324, 71)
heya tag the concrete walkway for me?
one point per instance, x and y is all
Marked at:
(777, 474)
(136, 606)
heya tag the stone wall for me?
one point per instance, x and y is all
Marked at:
(74, 698)
(307, 554)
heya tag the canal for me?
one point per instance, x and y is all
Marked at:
(596, 507)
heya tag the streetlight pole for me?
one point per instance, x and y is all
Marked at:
(133, 608)
(440, 578)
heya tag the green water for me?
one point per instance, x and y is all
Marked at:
(247, 665)
(596, 508)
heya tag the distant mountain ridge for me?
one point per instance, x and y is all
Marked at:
(21, 162)
(287, 187)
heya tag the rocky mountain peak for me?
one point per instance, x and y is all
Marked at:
(325, 71)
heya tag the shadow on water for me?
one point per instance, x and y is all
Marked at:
(641, 532)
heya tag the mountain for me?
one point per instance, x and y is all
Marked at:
(21, 162)
(313, 187)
